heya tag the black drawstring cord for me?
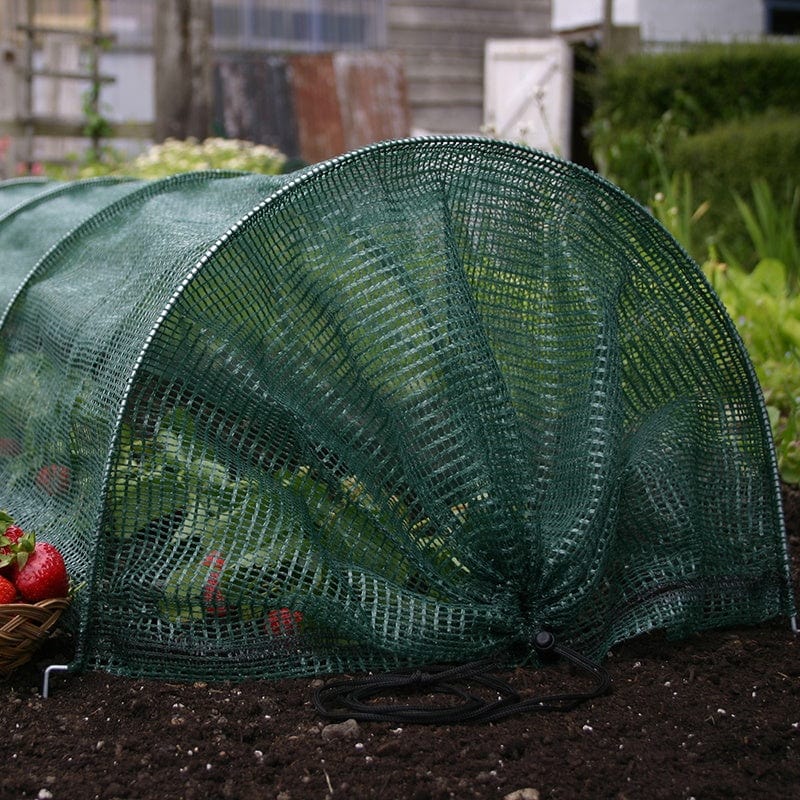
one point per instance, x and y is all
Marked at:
(354, 699)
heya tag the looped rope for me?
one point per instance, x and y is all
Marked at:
(354, 699)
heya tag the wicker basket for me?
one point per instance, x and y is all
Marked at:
(23, 628)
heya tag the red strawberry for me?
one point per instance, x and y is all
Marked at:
(8, 592)
(42, 574)
(53, 479)
(284, 622)
(12, 535)
(213, 598)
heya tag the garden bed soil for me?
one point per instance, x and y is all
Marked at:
(714, 716)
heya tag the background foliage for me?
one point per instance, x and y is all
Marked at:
(708, 138)
(173, 156)
(722, 114)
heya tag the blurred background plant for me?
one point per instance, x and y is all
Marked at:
(766, 312)
(726, 115)
(708, 138)
(763, 301)
(773, 228)
(173, 156)
(674, 207)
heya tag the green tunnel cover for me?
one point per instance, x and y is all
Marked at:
(410, 405)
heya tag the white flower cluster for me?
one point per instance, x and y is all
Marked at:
(173, 156)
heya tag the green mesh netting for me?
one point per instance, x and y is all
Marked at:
(414, 404)
(18, 191)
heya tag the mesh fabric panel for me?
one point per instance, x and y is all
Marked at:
(39, 221)
(18, 190)
(414, 404)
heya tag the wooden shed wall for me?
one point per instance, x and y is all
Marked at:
(442, 42)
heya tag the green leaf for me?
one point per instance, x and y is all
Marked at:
(5, 520)
(790, 327)
(774, 416)
(770, 275)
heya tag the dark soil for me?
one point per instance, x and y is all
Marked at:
(715, 716)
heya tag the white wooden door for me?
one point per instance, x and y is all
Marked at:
(528, 92)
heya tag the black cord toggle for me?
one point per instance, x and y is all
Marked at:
(544, 642)
(357, 698)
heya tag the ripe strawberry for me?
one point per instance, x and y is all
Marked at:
(43, 574)
(284, 622)
(213, 598)
(8, 592)
(8, 539)
(53, 479)
(14, 533)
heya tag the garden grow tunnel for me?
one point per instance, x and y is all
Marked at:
(414, 404)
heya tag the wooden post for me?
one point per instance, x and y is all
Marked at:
(618, 41)
(608, 22)
(27, 88)
(183, 77)
(92, 100)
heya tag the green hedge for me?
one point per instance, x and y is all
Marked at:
(725, 160)
(701, 85)
(724, 115)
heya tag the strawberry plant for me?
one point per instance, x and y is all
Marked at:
(218, 567)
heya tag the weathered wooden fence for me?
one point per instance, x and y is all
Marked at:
(311, 105)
